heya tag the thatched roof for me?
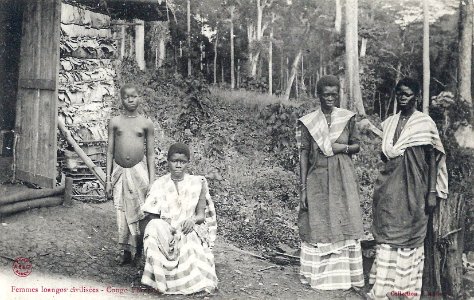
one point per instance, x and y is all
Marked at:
(148, 10)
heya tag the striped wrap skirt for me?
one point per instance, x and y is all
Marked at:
(397, 272)
(177, 263)
(335, 266)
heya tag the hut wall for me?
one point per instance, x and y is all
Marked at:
(86, 91)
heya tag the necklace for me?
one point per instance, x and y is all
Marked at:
(177, 179)
(328, 119)
(134, 116)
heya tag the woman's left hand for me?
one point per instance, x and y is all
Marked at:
(187, 226)
(431, 202)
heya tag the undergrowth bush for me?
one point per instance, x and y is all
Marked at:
(244, 143)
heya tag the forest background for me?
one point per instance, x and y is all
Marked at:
(231, 78)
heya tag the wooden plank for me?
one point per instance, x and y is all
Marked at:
(40, 84)
(35, 150)
(37, 179)
(49, 68)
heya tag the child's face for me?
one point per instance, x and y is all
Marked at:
(130, 99)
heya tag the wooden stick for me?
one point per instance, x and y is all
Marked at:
(68, 191)
(97, 171)
(31, 194)
(25, 205)
(267, 268)
(451, 232)
(288, 255)
(7, 257)
(249, 253)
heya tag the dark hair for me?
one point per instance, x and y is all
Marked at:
(179, 148)
(327, 80)
(411, 83)
(125, 87)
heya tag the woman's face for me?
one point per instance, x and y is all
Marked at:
(178, 164)
(329, 96)
(406, 98)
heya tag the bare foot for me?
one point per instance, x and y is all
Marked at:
(125, 257)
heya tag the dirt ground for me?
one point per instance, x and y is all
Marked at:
(76, 247)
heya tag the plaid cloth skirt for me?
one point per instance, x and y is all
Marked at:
(336, 266)
(177, 263)
(397, 272)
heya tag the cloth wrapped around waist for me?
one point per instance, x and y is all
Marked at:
(130, 186)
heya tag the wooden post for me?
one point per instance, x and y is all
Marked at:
(140, 44)
(68, 191)
(444, 245)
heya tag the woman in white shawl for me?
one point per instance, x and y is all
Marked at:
(179, 237)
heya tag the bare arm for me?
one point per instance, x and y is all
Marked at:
(304, 166)
(150, 151)
(201, 206)
(432, 176)
(110, 158)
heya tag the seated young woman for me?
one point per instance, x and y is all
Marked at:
(181, 230)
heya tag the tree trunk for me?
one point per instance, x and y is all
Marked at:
(363, 47)
(123, 36)
(294, 68)
(444, 244)
(232, 63)
(251, 38)
(188, 17)
(258, 37)
(426, 57)
(297, 93)
(338, 20)
(397, 79)
(201, 56)
(140, 43)
(161, 52)
(303, 88)
(465, 51)
(222, 72)
(215, 59)
(238, 73)
(254, 64)
(352, 58)
(282, 74)
(270, 61)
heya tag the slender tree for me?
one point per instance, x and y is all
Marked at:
(338, 19)
(232, 58)
(465, 50)
(294, 69)
(188, 18)
(352, 58)
(426, 57)
(216, 37)
(270, 58)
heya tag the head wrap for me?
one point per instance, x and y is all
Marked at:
(179, 148)
(327, 80)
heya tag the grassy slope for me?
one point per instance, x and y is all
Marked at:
(244, 143)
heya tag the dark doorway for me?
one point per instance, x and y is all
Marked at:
(10, 39)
